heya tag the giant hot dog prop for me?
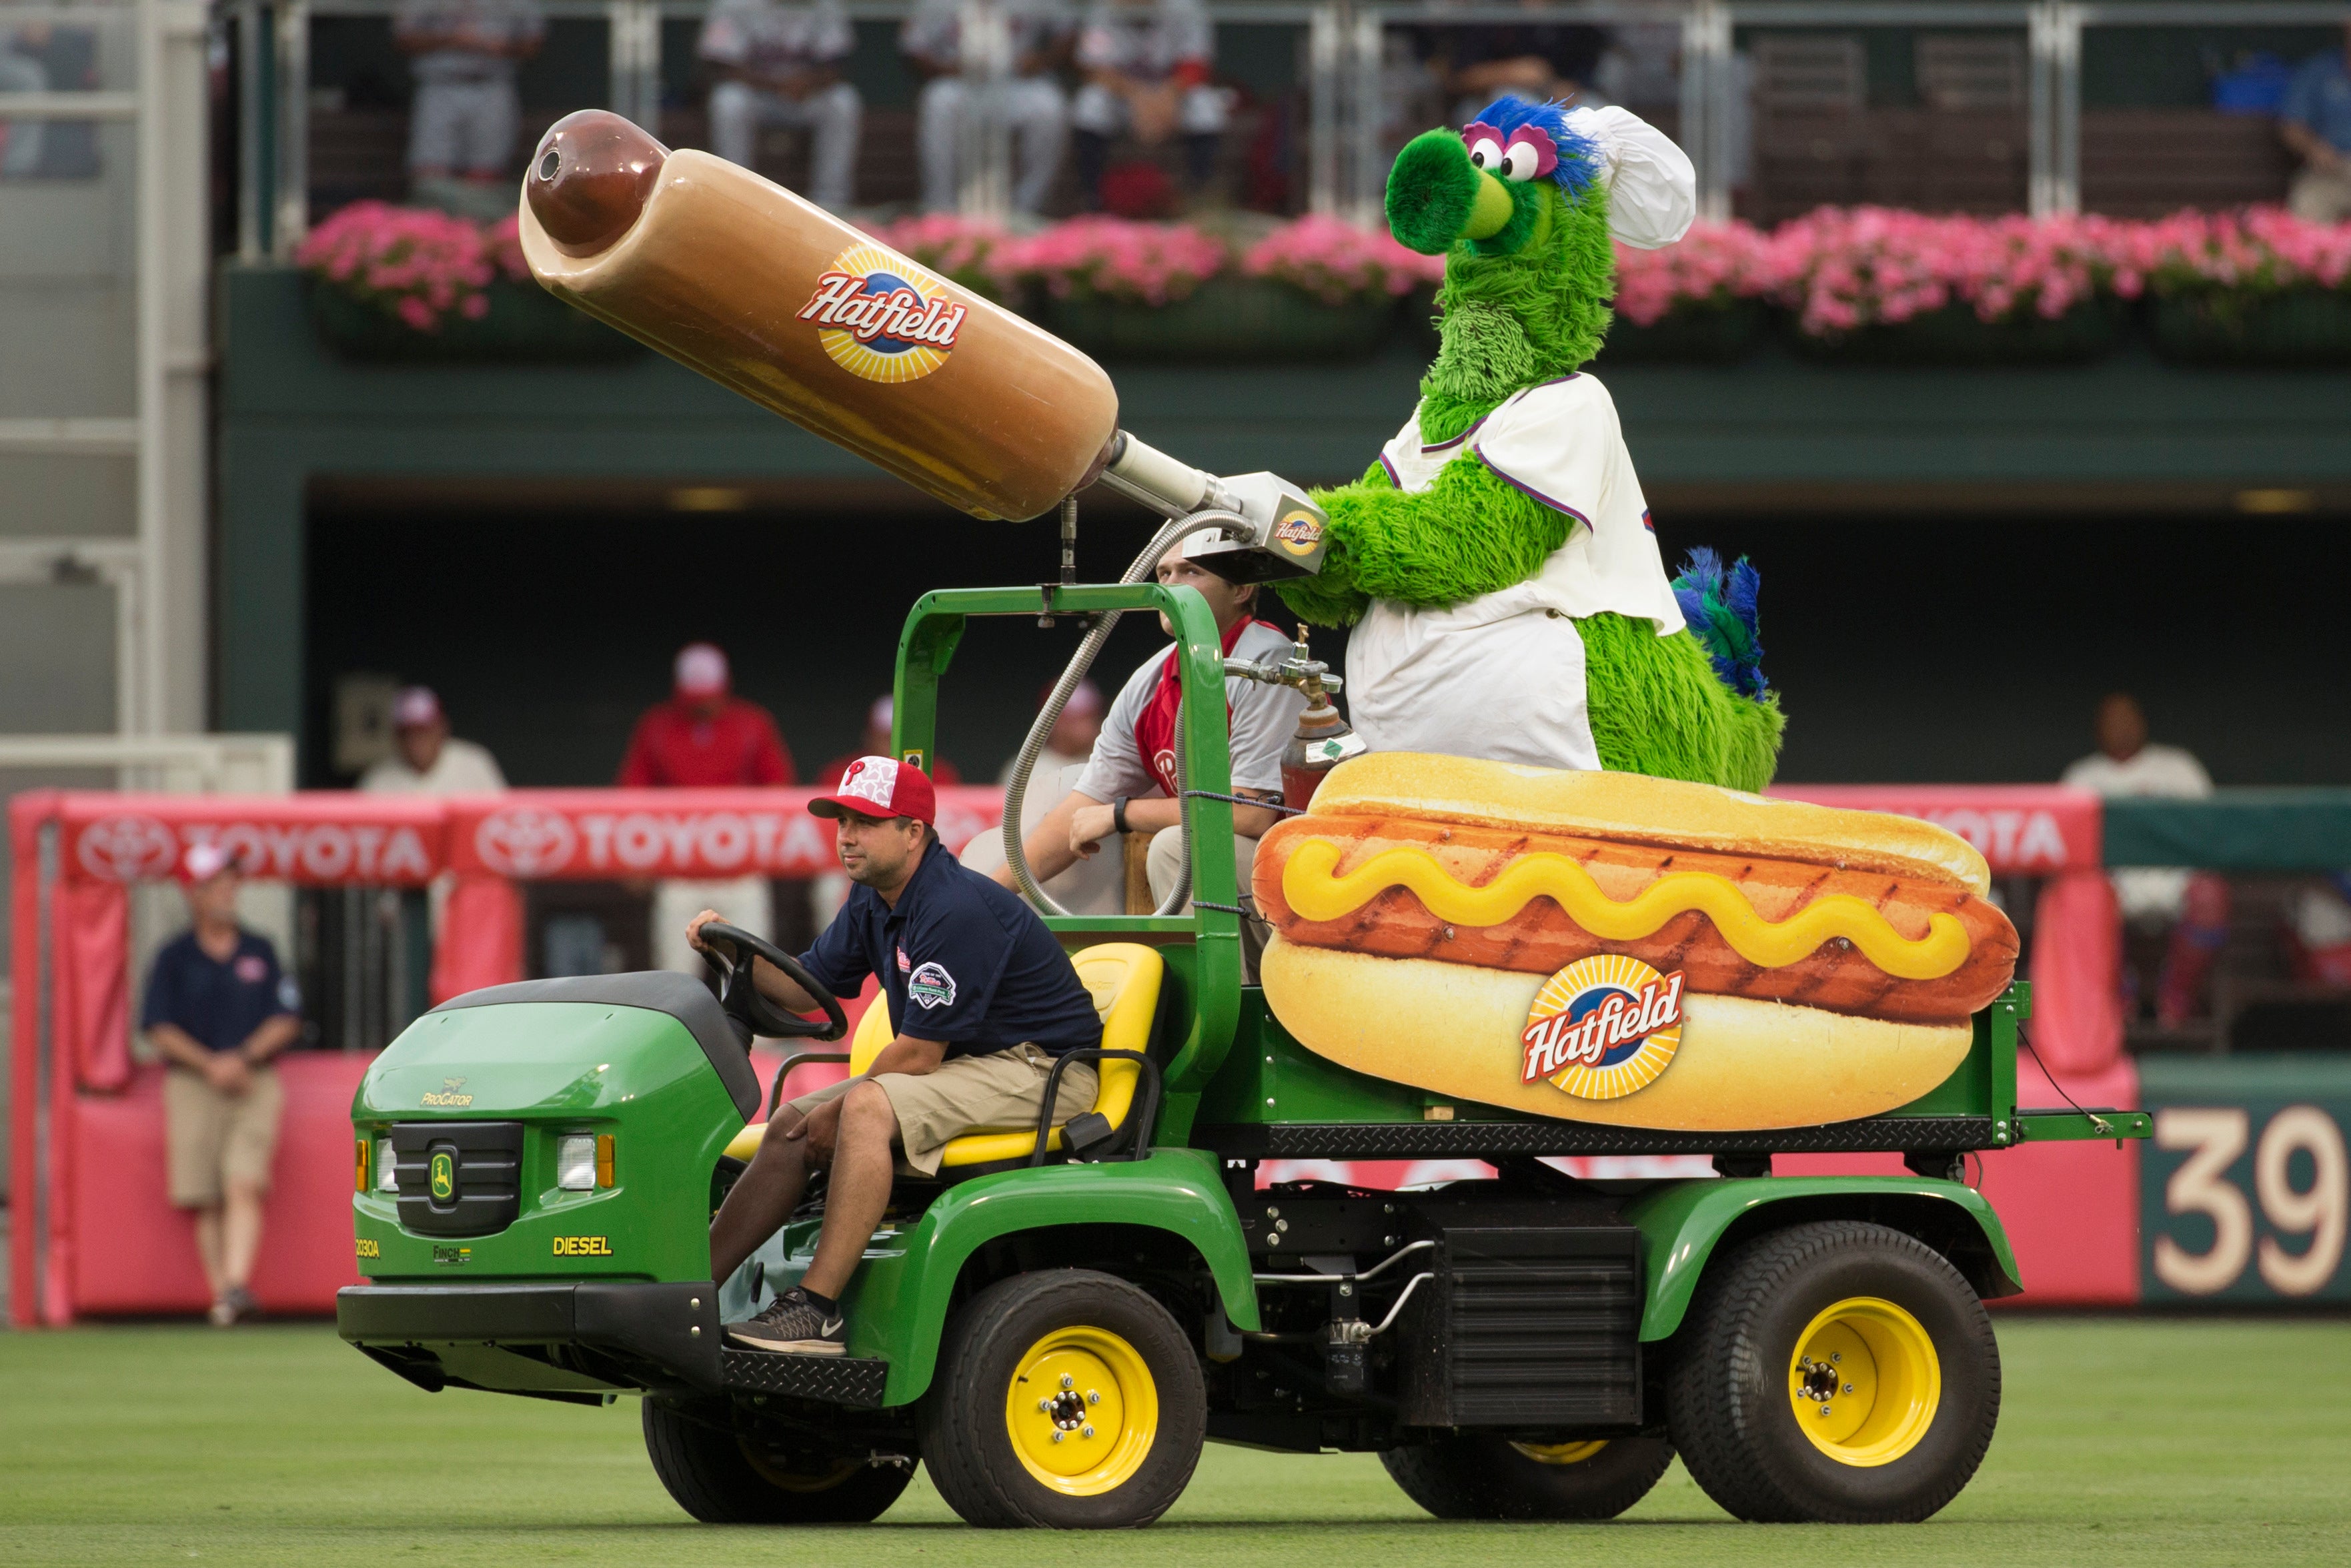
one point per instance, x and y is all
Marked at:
(740, 279)
(1609, 948)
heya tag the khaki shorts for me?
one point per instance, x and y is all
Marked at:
(213, 1139)
(996, 1093)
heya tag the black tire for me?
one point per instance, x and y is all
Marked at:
(965, 1423)
(1729, 1395)
(720, 1477)
(1472, 1476)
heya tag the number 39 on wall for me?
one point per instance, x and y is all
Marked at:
(2246, 1202)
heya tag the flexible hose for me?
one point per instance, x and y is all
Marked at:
(1016, 850)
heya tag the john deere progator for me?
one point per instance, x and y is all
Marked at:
(1056, 1327)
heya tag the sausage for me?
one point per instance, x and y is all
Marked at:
(1541, 938)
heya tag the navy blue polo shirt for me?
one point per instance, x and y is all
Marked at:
(219, 1005)
(962, 960)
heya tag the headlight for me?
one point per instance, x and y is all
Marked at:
(575, 1163)
(387, 1167)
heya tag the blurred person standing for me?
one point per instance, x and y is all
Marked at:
(1095, 884)
(1035, 110)
(2316, 122)
(426, 759)
(703, 737)
(20, 140)
(780, 64)
(1147, 64)
(462, 122)
(2190, 907)
(219, 1009)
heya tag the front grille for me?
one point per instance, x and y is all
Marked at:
(1534, 1326)
(482, 1164)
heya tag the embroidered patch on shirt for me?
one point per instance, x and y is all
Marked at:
(904, 963)
(932, 985)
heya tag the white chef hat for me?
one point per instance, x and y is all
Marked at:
(1652, 187)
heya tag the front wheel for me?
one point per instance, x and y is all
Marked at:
(1064, 1399)
(1468, 1475)
(722, 1476)
(1838, 1373)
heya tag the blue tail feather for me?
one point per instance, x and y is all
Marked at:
(1720, 607)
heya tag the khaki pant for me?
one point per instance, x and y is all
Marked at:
(999, 1093)
(2321, 196)
(213, 1139)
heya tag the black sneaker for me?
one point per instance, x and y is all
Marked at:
(794, 1325)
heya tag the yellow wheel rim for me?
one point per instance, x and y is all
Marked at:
(1081, 1411)
(1865, 1381)
(1561, 1453)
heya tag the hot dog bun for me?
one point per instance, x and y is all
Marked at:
(1632, 808)
(1453, 1029)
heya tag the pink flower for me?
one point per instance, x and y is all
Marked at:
(1113, 257)
(413, 264)
(1336, 262)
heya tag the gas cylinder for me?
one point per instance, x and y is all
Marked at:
(768, 294)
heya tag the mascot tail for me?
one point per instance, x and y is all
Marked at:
(1719, 602)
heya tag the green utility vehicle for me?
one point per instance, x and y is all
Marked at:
(1055, 1326)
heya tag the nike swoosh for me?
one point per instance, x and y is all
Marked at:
(833, 1326)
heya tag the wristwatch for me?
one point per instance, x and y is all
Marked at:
(1118, 814)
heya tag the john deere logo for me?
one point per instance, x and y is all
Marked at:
(444, 1175)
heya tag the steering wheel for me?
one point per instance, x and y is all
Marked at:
(733, 948)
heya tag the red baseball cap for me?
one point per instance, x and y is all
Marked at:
(881, 787)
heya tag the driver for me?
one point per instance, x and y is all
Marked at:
(981, 999)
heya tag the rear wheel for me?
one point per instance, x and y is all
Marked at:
(1467, 1476)
(1838, 1373)
(1065, 1399)
(721, 1477)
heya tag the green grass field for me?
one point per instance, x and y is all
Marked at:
(2122, 1441)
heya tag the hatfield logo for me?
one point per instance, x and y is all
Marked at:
(1603, 1027)
(525, 843)
(127, 848)
(1299, 533)
(881, 318)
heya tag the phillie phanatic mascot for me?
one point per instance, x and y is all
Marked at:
(1497, 562)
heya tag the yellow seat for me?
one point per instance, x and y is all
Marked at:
(1123, 978)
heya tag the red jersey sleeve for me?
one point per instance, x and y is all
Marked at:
(771, 761)
(637, 763)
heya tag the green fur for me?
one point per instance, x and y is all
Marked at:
(1431, 188)
(1553, 291)
(1524, 307)
(1657, 708)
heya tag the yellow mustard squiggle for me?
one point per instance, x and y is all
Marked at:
(1316, 895)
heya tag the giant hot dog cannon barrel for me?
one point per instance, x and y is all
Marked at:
(767, 293)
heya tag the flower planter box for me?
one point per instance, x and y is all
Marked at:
(1225, 320)
(2308, 327)
(1955, 336)
(525, 324)
(1687, 335)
